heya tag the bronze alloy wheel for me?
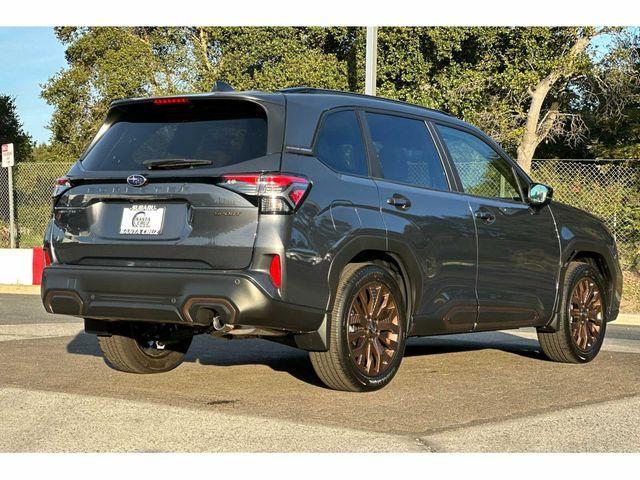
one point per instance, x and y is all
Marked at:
(373, 329)
(586, 314)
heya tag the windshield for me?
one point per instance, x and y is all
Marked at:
(222, 132)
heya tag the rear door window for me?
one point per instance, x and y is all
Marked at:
(223, 132)
(406, 151)
(339, 144)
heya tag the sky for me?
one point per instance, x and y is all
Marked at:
(28, 57)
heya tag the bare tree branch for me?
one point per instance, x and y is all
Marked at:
(537, 129)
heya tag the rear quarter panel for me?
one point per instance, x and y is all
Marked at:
(339, 210)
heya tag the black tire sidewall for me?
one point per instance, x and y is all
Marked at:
(123, 352)
(363, 276)
(581, 271)
(173, 357)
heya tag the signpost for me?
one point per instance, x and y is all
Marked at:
(7, 162)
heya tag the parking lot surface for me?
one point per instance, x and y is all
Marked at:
(476, 392)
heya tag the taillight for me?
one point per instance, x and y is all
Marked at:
(46, 256)
(61, 184)
(275, 271)
(276, 193)
(170, 101)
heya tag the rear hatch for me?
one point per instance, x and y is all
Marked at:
(148, 191)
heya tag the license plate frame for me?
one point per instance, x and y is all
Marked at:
(142, 219)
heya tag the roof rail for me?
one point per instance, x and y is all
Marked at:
(307, 90)
(327, 91)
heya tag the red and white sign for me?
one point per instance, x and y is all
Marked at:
(7, 155)
(21, 266)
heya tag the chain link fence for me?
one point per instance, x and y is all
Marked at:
(4, 208)
(32, 187)
(607, 188)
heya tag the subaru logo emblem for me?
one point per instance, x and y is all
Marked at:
(136, 180)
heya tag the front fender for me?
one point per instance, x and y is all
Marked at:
(580, 235)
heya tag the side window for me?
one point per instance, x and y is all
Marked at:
(406, 151)
(339, 144)
(481, 170)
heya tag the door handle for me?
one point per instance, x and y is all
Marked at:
(485, 216)
(399, 201)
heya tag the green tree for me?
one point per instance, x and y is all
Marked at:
(525, 85)
(54, 152)
(270, 58)
(12, 131)
(614, 124)
(106, 63)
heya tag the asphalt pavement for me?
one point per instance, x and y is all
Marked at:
(475, 392)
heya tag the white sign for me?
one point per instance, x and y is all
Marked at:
(7, 155)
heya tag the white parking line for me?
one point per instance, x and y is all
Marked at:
(604, 427)
(36, 421)
(31, 331)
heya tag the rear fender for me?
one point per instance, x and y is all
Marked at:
(400, 252)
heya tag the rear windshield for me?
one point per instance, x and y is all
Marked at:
(221, 131)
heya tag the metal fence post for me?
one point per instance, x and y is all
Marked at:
(12, 230)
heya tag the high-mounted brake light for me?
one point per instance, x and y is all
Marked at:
(61, 184)
(278, 193)
(170, 101)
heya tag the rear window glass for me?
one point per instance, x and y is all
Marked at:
(339, 144)
(223, 132)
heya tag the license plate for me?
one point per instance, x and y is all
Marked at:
(142, 220)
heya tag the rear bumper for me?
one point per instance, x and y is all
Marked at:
(173, 296)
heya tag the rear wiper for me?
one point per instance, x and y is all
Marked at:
(174, 163)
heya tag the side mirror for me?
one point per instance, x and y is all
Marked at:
(539, 194)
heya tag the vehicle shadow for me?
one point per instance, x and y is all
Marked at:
(207, 350)
(502, 341)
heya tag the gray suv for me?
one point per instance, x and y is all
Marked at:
(334, 222)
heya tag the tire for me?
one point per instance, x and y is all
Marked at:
(348, 365)
(127, 351)
(562, 345)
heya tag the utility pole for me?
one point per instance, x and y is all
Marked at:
(371, 61)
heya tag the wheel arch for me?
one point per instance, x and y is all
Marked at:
(395, 263)
(398, 256)
(596, 256)
(595, 259)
